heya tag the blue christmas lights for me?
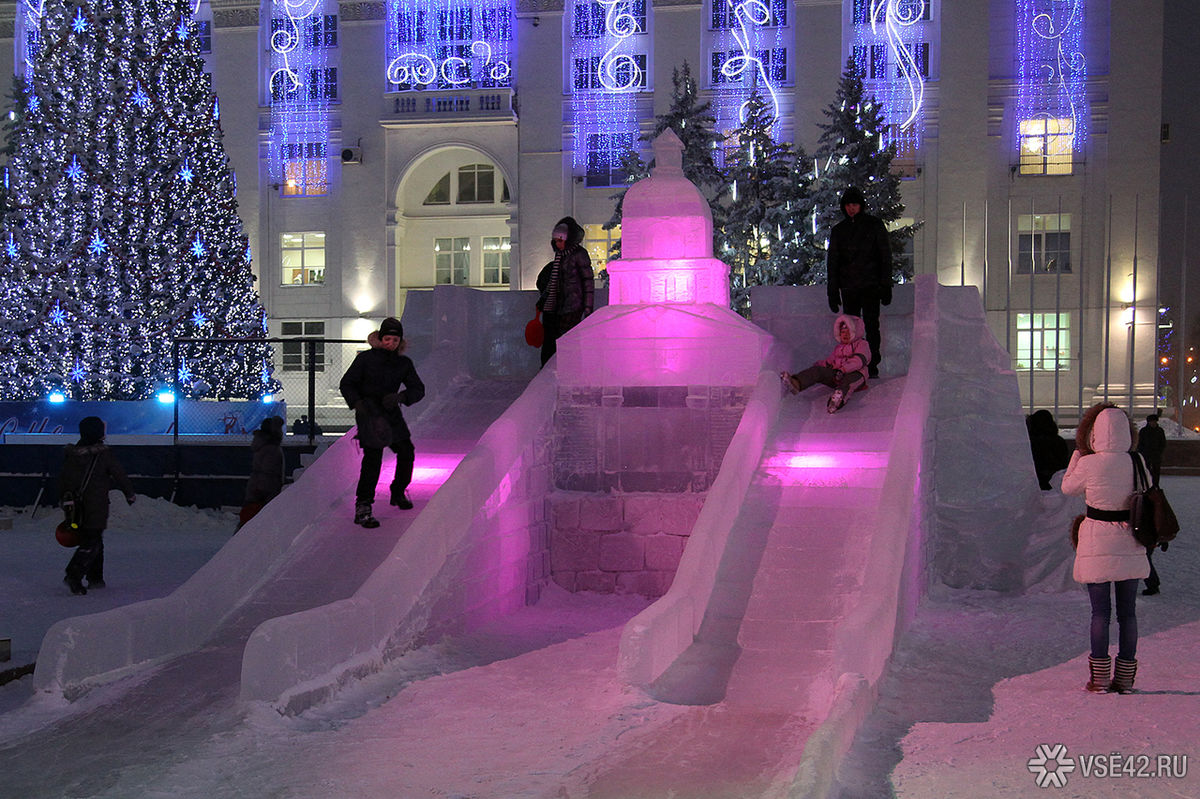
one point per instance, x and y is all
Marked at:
(185, 173)
(97, 246)
(449, 43)
(74, 171)
(198, 318)
(892, 51)
(198, 248)
(140, 98)
(79, 24)
(57, 315)
(609, 66)
(1052, 71)
(299, 107)
(28, 32)
(749, 52)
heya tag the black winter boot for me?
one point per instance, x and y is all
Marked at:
(400, 500)
(1123, 678)
(363, 517)
(75, 584)
(1101, 669)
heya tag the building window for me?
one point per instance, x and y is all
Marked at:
(323, 84)
(1043, 341)
(204, 35)
(304, 169)
(724, 18)
(587, 72)
(410, 25)
(774, 63)
(477, 183)
(296, 353)
(452, 261)
(322, 31)
(303, 258)
(920, 53)
(605, 151)
(908, 10)
(440, 193)
(589, 17)
(495, 260)
(1047, 146)
(1044, 244)
(599, 243)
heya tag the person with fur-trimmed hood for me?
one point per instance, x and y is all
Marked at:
(859, 264)
(566, 285)
(378, 382)
(90, 471)
(1108, 559)
(845, 370)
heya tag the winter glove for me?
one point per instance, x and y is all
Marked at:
(885, 295)
(1163, 546)
(130, 498)
(391, 402)
(833, 303)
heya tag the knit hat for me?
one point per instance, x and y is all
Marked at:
(854, 195)
(91, 430)
(391, 327)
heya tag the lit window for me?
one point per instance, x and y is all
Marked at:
(774, 63)
(495, 260)
(1047, 146)
(452, 261)
(322, 31)
(590, 18)
(1043, 243)
(599, 242)
(305, 169)
(323, 84)
(303, 258)
(1043, 341)
(586, 72)
(296, 354)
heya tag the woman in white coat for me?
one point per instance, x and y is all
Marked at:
(1108, 559)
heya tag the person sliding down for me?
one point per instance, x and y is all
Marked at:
(845, 370)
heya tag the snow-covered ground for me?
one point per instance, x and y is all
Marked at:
(530, 706)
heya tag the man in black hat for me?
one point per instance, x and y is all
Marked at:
(377, 383)
(860, 268)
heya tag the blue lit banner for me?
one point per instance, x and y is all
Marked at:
(609, 66)
(148, 417)
(447, 44)
(1052, 71)
(892, 51)
(749, 51)
(301, 86)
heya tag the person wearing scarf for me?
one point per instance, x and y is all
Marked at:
(566, 285)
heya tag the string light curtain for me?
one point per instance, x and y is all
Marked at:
(891, 50)
(25, 44)
(609, 66)
(749, 50)
(299, 95)
(449, 44)
(1052, 73)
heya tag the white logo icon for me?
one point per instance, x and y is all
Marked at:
(1051, 765)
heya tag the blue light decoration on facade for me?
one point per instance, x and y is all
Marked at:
(892, 51)
(299, 106)
(448, 44)
(27, 39)
(609, 66)
(749, 51)
(1052, 71)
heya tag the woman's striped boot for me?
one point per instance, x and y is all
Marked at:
(1101, 669)
(1123, 678)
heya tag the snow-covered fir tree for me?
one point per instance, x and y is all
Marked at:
(762, 185)
(852, 152)
(121, 229)
(695, 126)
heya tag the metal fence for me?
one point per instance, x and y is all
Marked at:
(308, 371)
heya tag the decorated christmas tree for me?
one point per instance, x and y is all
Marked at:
(851, 153)
(120, 231)
(762, 185)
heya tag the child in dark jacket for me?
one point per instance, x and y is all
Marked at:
(266, 468)
(90, 471)
(378, 382)
(845, 370)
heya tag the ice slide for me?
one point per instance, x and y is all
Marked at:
(302, 551)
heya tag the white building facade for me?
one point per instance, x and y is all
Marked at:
(386, 147)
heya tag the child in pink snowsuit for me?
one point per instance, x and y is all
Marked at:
(845, 371)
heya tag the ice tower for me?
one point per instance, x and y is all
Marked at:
(668, 321)
(650, 391)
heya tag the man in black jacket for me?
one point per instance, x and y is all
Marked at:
(377, 383)
(860, 268)
(566, 285)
